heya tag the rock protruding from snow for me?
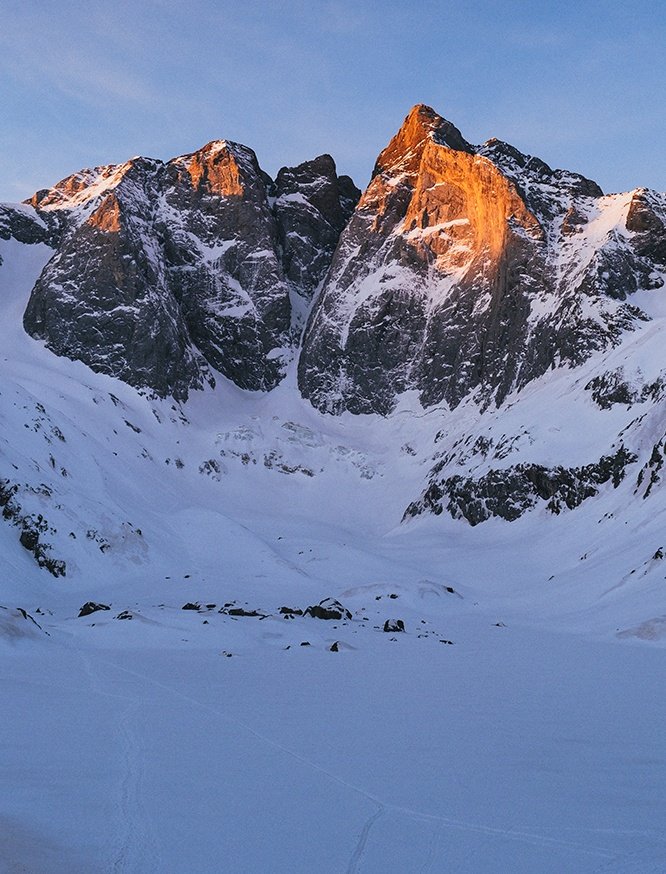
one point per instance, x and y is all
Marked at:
(393, 625)
(92, 607)
(510, 492)
(329, 608)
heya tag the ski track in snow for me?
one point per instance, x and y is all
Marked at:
(136, 850)
(359, 850)
(431, 858)
(384, 807)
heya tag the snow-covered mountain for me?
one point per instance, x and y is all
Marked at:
(440, 404)
(474, 285)
(162, 271)
(474, 270)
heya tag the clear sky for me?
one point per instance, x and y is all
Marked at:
(84, 82)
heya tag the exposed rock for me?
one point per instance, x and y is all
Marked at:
(393, 625)
(241, 611)
(29, 618)
(510, 492)
(223, 262)
(611, 388)
(646, 219)
(164, 271)
(32, 526)
(104, 297)
(21, 222)
(92, 607)
(463, 271)
(191, 605)
(329, 608)
(29, 539)
(312, 206)
(290, 611)
(616, 387)
(652, 468)
(573, 221)
(550, 194)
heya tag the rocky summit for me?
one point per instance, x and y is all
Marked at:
(473, 269)
(164, 273)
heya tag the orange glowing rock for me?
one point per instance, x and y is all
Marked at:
(107, 215)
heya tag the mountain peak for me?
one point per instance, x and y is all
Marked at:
(421, 124)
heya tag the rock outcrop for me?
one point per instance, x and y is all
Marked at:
(312, 206)
(510, 492)
(20, 222)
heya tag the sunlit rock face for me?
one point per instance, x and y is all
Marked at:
(223, 262)
(166, 273)
(470, 270)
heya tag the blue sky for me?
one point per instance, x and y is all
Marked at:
(581, 84)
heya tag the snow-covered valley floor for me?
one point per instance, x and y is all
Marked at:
(139, 746)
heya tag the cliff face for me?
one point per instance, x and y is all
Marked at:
(223, 263)
(470, 270)
(104, 297)
(165, 272)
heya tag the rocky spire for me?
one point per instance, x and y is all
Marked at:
(403, 153)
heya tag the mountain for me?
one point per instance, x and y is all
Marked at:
(332, 527)
(164, 271)
(470, 269)
(467, 281)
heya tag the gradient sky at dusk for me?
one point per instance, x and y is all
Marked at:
(84, 82)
